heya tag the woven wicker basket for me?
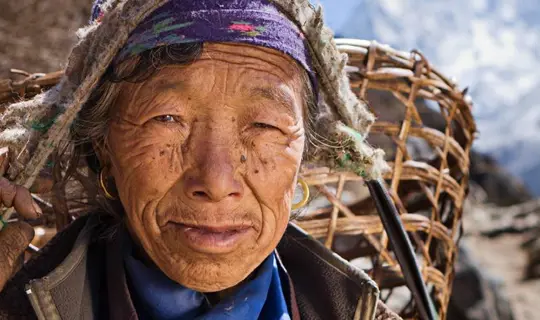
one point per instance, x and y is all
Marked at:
(426, 128)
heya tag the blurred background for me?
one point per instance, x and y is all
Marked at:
(490, 47)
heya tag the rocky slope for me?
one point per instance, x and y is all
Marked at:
(36, 35)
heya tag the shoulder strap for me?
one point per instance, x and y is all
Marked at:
(326, 286)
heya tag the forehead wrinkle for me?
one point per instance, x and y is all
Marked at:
(129, 97)
(140, 99)
(164, 83)
(272, 57)
(274, 93)
(285, 101)
(167, 86)
(254, 63)
(165, 80)
(249, 65)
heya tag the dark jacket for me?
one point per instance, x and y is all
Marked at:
(80, 272)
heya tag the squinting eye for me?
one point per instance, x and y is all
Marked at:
(261, 125)
(167, 118)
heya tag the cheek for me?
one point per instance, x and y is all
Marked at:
(275, 157)
(271, 174)
(146, 161)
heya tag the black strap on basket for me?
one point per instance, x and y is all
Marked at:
(402, 248)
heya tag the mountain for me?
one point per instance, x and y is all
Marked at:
(490, 46)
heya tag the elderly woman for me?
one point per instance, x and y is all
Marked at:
(196, 117)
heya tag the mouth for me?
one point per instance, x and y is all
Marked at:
(212, 239)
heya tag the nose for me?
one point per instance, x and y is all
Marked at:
(213, 178)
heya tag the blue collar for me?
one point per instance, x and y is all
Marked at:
(158, 297)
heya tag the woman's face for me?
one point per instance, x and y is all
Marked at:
(205, 159)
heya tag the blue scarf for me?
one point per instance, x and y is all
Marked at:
(158, 297)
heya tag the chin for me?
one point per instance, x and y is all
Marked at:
(214, 276)
(209, 261)
(209, 272)
(211, 257)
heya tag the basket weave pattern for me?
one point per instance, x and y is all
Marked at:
(428, 190)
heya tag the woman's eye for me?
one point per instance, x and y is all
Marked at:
(261, 125)
(166, 118)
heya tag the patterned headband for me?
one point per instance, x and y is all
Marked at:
(256, 22)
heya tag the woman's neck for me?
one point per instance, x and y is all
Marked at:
(215, 297)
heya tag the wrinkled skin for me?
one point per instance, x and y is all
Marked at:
(215, 143)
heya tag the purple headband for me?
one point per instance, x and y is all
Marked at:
(256, 22)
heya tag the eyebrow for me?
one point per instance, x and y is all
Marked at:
(284, 99)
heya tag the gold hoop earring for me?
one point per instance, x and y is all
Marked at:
(305, 192)
(108, 195)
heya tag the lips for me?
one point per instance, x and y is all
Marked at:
(212, 239)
